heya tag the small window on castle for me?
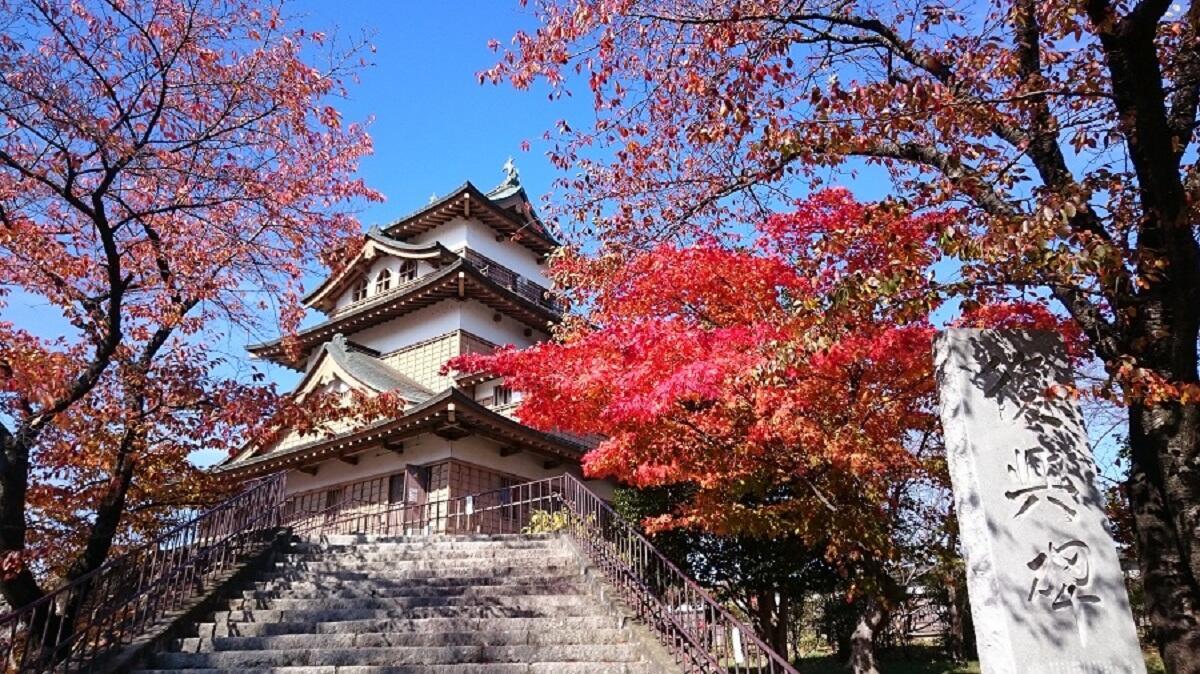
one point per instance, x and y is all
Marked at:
(360, 290)
(408, 270)
(383, 282)
(502, 396)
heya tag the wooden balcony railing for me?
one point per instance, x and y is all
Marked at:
(510, 279)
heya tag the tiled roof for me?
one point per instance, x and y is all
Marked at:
(377, 241)
(452, 406)
(524, 228)
(373, 372)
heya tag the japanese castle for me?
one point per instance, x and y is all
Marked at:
(464, 274)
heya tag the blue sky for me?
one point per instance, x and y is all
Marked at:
(434, 124)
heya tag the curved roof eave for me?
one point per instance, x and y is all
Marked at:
(266, 349)
(377, 240)
(535, 238)
(451, 401)
(367, 371)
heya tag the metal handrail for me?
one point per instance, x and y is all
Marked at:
(77, 626)
(701, 634)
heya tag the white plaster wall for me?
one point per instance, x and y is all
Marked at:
(411, 328)
(487, 388)
(443, 317)
(451, 234)
(477, 236)
(484, 452)
(479, 319)
(381, 263)
(419, 450)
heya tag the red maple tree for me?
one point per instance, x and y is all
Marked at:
(791, 405)
(165, 168)
(1065, 133)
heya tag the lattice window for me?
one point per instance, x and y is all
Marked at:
(359, 292)
(408, 270)
(308, 504)
(365, 491)
(383, 282)
(502, 396)
(468, 478)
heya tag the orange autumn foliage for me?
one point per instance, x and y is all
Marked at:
(166, 171)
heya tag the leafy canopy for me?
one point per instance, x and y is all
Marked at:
(793, 406)
(165, 169)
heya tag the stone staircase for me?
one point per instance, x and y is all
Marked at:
(430, 605)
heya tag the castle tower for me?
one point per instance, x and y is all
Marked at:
(463, 274)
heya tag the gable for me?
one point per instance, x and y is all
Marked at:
(340, 364)
(515, 222)
(379, 251)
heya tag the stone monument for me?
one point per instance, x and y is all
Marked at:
(1046, 588)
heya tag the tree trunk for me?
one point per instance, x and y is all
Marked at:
(955, 641)
(46, 625)
(862, 640)
(771, 621)
(108, 516)
(1165, 443)
(22, 588)
(779, 639)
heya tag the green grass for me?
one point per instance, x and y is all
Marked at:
(924, 663)
(891, 663)
(1154, 663)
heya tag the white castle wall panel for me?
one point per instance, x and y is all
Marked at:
(459, 233)
(443, 317)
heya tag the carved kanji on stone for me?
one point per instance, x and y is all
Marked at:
(1062, 578)
(1040, 476)
(1062, 575)
(1047, 591)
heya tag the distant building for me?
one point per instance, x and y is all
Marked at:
(463, 274)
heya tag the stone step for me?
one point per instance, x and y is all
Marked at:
(324, 657)
(406, 625)
(416, 605)
(503, 555)
(291, 604)
(330, 615)
(407, 569)
(366, 589)
(312, 583)
(334, 563)
(464, 668)
(406, 639)
(418, 545)
(414, 575)
(421, 539)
